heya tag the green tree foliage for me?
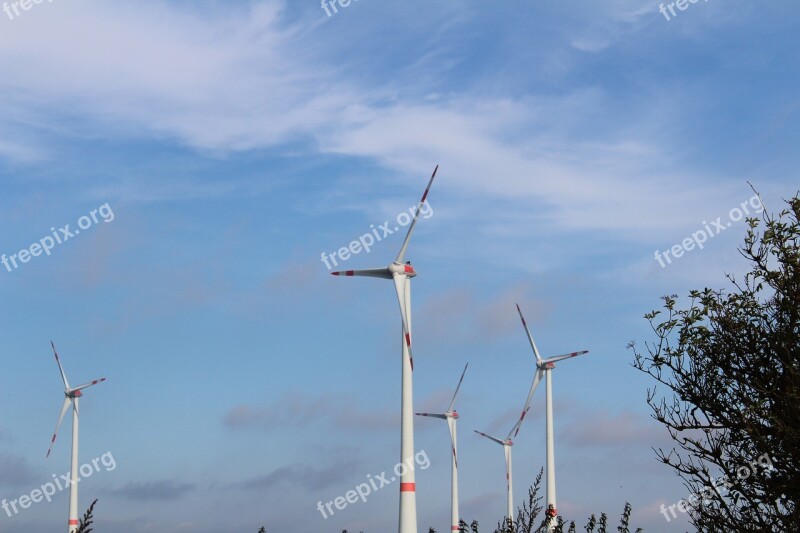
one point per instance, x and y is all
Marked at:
(727, 373)
(84, 524)
(527, 519)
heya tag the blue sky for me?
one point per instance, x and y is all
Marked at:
(237, 141)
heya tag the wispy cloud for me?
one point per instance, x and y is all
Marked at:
(612, 429)
(300, 410)
(272, 99)
(15, 471)
(466, 315)
(303, 476)
(160, 490)
(532, 149)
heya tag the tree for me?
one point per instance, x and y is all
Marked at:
(527, 518)
(463, 527)
(727, 372)
(86, 521)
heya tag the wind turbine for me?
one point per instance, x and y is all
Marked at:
(72, 395)
(451, 416)
(401, 274)
(543, 369)
(506, 443)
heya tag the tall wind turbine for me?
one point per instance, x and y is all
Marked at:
(506, 443)
(71, 397)
(543, 369)
(451, 415)
(401, 274)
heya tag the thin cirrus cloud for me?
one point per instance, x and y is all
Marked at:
(612, 429)
(132, 80)
(506, 147)
(302, 475)
(299, 410)
(15, 471)
(160, 490)
(467, 315)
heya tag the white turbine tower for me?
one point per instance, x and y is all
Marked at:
(543, 369)
(401, 274)
(451, 415)
(71, 397)
(506, 443)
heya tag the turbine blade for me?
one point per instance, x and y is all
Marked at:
(565, 356)
(453, 444)
(453, 401)
(85, 385)
(498, 441)
(402, 252)
(58, 425)
(369, 272)
(60, 368)
(530, 337)
(400, 285)
(536, 379)
(432, 415)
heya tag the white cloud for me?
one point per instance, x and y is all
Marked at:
(245, 78)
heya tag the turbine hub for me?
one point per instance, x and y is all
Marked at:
(407, 270)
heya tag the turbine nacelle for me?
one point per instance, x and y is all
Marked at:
(406, 270)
